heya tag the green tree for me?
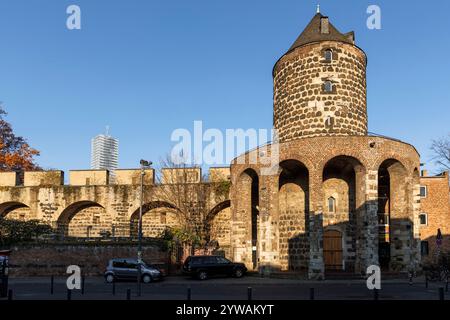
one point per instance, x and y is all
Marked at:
(15, 231)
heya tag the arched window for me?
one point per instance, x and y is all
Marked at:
(328, 55)
(328, 86)
(331, 204)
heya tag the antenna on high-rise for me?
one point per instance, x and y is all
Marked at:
(318, 8)
(107, 130)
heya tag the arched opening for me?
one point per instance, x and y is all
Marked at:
(85, 219)
(293, 203)
(219, 226)
(15, 211)
(156, 217)
(248, 214)
(342, 202)
(217, 209)
(395, 224)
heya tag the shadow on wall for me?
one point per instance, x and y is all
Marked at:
(356, 231)
(395, 247)
(429, 249)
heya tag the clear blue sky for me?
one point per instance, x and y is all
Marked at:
(148, 67)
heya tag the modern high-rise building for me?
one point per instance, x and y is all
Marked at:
(105, 153)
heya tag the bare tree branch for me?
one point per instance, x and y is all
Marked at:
(441, 150)
(184, 188)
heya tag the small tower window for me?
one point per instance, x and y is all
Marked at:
(331, 204)
(328, 87)
(329, 122)
(328, 55)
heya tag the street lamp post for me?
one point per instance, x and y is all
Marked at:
(144, 165)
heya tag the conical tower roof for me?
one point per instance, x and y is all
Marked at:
(320, 29)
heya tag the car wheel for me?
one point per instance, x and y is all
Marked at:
(238, 273)
(109, 278)
(202, 275)
(146, 278)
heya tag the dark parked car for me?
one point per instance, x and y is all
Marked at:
(127, 269)
(203, 267)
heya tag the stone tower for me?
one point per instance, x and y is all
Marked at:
(320, 85)
(342, 199)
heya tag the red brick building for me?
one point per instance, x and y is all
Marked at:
(435, 213)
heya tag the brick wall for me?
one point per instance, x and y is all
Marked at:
(54, 259)
(436, 204)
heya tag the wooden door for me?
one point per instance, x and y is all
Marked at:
(332, 250)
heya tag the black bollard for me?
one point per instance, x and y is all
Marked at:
(249, 293)
(52, 283)
(82, 284)
(139, 280)
(10, 295)
(114, 288)
(311, 294)
(69, 294)
(426, 282)
(128, 294)
(441, 294)
(189, 293)
(375, 295)
(446, 286)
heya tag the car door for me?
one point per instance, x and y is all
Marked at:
(131, 269)
(120, 268)
(224, 265)
(211, 265)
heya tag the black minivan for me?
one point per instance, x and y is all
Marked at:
(203, 267)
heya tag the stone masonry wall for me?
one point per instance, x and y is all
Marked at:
(294, 242)
(357, 201)
(342, 219)
(301, 106)
(90, 222)
(221, 230)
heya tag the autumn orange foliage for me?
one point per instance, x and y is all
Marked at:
(21, 159)
(15, 153)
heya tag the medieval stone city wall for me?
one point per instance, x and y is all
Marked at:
(91, 207)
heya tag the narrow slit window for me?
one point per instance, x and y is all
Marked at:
(331, 204)
(328, 86)
(328, 55)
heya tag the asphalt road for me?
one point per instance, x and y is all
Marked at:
(176, 288)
